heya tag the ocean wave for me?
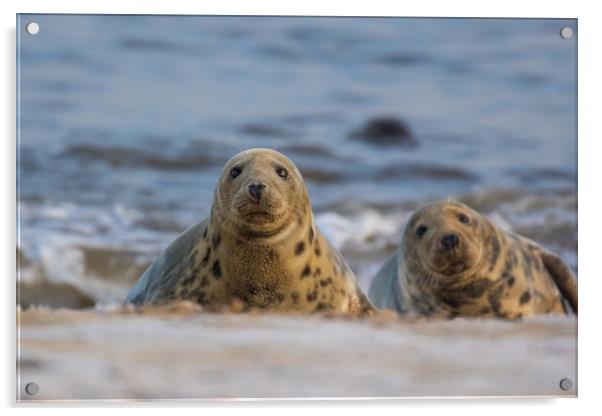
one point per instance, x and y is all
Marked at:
(119, 156)
(71, 255)
(79, 256)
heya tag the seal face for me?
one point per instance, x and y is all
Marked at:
(454, 262)
(259, 245)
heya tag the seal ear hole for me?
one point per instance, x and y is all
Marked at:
(463, 219)
(421, 230)
(282, 172)
(235, 172)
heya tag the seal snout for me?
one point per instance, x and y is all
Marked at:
(255, 190)
(450, 241)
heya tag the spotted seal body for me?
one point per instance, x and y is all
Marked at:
(453, 262)
(260, 245)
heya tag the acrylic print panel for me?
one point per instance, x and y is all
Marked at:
(126, 124)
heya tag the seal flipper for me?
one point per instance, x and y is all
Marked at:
(383, 289)
(359, 303)
(166, 270)
(563, 277)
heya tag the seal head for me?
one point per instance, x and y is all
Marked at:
(260, 193)
(443, 240)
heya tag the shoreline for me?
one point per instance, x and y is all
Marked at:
(161, 353)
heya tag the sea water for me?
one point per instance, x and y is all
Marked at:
(125, 122)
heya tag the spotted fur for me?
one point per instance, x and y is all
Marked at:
(293, 269)
(490, 273)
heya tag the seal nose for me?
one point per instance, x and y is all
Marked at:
(255, 189)
(450, 241)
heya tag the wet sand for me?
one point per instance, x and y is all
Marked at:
(183, 353)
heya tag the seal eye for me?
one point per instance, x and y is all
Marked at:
(283, 173)
(463, 219)
(421, 230)
(235, 172)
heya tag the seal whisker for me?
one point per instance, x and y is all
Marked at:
(293, 209)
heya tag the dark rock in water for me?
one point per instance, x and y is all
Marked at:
(532, 175)
(385, 131)
(120, 157)
(157, 45)
(426, 171)
(403, 59)
(265, 130)
(279, 52)
(309, 149)
(322, 175)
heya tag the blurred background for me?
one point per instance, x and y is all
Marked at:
(124, 124)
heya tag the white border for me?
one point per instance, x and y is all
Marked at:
(590, 135)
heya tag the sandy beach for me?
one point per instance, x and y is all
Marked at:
(183, 353)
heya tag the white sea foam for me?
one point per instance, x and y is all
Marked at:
(57, 240)
(366, 226)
